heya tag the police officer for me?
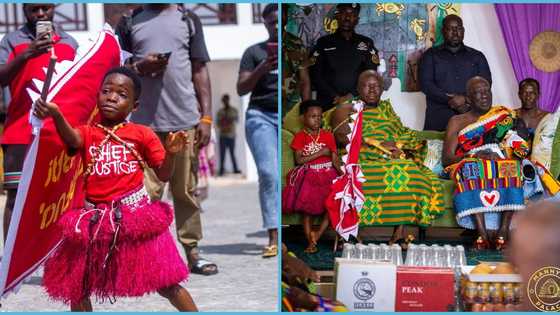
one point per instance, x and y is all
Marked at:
(340, 58)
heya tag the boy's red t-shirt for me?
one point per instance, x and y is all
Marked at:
(117, 171)
(304, 142)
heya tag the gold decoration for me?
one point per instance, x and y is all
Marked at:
(391, 8)
(544, 51)
(416, 26)
(374, 57)
(330, 25)
(550, 289)
(449, 8)
(543, 289)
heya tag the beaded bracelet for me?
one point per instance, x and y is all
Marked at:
(206, 119)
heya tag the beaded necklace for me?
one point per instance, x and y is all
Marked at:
(316, 140)
(111, 134)
(315, 146)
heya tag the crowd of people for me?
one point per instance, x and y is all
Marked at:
(486, 151)
(157, 105)
(456, 80)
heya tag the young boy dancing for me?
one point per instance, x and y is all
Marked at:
(120, 243)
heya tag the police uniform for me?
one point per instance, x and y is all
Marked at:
(338, 63)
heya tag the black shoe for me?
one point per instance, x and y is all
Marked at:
(198, 264)
(237, 172)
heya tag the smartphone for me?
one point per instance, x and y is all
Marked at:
(165, 55)
(272, 48)
(42, 28)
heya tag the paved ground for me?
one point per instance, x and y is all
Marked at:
(233, 239)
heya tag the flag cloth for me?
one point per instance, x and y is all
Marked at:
(346, 198)
(51, 181)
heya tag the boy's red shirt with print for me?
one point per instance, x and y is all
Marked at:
(117, 171)
(305, 142)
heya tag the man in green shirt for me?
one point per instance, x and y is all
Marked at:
(226, 119)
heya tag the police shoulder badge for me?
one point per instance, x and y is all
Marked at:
(362, 46)
(374, 57)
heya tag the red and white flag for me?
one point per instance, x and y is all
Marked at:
(51, 181)
(346, 198)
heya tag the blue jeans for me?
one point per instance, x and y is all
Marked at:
(261, 129)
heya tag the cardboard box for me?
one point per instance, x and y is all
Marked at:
(365, 286)
(425, 289)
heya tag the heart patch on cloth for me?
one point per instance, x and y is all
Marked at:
(490, 199)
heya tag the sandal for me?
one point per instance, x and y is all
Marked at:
(500, 243)
(311, 249)
(204, 267)
(481, 244)
(270, 251)
(199, 265)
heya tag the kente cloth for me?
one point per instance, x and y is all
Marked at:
(538, 183)
(322, 304)
(397, 191)
(493, 131)
(489, 186)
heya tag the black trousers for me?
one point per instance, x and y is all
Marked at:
(227, 143)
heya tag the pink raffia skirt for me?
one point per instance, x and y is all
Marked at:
(105, 257)
(306, 189)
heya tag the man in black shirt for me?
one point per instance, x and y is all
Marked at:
(341, 57)
(258, 75)
(444, 72)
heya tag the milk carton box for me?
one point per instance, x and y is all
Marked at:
(421, 289)
(366, 286)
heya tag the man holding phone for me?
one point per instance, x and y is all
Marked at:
(258, 75)
(23, 56)
(170, 56)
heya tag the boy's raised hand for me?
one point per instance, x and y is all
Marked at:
(45, 109)
(176, 141)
